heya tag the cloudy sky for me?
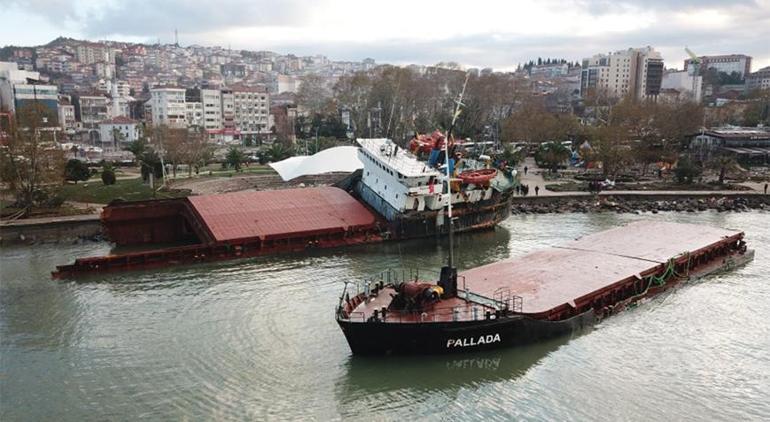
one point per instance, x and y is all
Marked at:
(479, 33)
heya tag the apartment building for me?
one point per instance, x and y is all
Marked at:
(91, 109)
(252, 111)
(636, 72)
(212, 109)
(168, 107)
(758, 80)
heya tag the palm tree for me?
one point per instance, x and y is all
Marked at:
(234, 158)
(723, 163)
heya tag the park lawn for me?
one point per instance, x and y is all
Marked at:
(94, 191)
(216, 170)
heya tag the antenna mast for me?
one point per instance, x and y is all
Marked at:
(458, 105)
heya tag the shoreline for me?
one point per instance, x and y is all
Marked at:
(653, 202)
(87, 227)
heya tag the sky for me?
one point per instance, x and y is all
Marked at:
(475, 33)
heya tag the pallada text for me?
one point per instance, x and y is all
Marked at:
(473, 341)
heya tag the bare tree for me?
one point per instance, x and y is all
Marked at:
(31, 161)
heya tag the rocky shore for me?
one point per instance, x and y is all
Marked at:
(621, 205)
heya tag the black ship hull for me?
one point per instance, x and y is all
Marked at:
(415, 224)
(375, 338)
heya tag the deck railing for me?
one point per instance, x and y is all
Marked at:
(502, 302)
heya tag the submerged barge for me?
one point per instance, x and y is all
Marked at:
(541, 295)
(228, 226)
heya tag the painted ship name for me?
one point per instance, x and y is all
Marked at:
(473, 341)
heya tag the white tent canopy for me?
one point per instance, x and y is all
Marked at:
(337, 159)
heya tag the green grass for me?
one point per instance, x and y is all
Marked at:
(216, 170)
(94, 191)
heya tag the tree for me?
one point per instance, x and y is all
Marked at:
(199, 151)
(234, 158)
(313, 95)
(30, 160)
(687, 171)
(108, 175)
(722, 164)
(148, 159)
(76, 170)
(610, 148)
(552, 154)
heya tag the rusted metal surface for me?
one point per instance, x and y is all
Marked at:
(280, 214)
(230, 226)
(452, 309)
(154, 221)
(584, 271)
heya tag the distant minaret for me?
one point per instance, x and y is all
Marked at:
(176, 37)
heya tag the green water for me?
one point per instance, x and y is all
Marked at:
(256, 339)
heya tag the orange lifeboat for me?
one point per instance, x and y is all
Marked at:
(478, 177)
(427, 143)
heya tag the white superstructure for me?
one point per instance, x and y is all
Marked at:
(406, 183)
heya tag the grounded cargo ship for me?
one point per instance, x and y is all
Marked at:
(411, 194)
(541, 295)
(397, 196)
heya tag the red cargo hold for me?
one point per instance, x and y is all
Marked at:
(280, 214)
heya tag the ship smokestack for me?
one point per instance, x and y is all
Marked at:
(448, 281)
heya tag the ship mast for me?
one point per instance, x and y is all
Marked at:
(458, 105)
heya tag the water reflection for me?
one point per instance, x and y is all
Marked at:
(368, 375)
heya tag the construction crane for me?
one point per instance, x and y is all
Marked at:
(695, 63)
(694, 60)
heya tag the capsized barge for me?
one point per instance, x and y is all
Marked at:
(228, 226)
(541, 295)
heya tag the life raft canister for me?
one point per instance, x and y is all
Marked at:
(480, 177)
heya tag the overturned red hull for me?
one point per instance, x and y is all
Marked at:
(229, 226)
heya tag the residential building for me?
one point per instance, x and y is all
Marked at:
(194, 114)
(168, 107)
(212, 109)
(758, 80)
(739, 63)
(117, 132)
(689, 86)
(90, 53)
(67, 118)
(636, 72)
(91, 110)
(287, 83)
(252, 111)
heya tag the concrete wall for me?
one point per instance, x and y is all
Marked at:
(45, 230)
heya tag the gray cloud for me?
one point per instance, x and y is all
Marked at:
(600, 7)
(748, 33)
(149, 17)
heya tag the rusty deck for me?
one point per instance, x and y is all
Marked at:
(575, 275)
(229, 226)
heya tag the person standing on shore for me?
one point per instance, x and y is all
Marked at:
(537, 190)
(765, 188)
(525, 170)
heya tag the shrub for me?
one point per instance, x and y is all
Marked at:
(76, 170)
(108, 176)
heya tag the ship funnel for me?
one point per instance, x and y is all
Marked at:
(448, 281)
